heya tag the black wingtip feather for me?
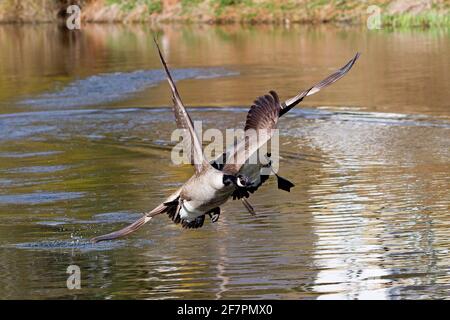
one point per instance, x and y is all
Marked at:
(284, 184)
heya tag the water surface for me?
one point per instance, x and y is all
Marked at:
(85, 147)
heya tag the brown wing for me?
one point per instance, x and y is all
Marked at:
(292, 102)
(263, 114)
(191, 142)
(261, 121)
(170, 204)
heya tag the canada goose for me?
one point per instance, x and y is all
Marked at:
(213, 184)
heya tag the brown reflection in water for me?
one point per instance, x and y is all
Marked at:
(406, 72)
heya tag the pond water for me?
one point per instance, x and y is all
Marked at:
(85, 129)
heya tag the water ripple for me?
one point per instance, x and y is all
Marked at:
(38, 197)
(110, 87)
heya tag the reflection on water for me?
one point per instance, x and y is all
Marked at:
(113, 87)
(368, 217)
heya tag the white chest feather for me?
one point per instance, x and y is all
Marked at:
(204, 193)
(189, 212)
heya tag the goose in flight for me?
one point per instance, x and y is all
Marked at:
(212, 184)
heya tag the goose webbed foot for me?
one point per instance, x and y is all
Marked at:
(214, 214)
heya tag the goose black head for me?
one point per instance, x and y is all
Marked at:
(228, 179)
(240, 180)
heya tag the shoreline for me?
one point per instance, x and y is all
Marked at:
(379, 14)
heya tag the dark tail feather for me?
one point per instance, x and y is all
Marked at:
(284, 184)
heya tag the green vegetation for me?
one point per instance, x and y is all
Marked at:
(318, 11)
(394, 13)
(189, 4)
(225, 3)
(221, 5)
(424, 20)
(153, 6)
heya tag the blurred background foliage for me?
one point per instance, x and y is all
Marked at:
(396, 13)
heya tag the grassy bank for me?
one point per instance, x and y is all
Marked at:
(395, 13)
(426, 19)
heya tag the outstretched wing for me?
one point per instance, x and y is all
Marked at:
(170, 204)
(257, 118)
(292, 102)
(191, 142)
(261, 121)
